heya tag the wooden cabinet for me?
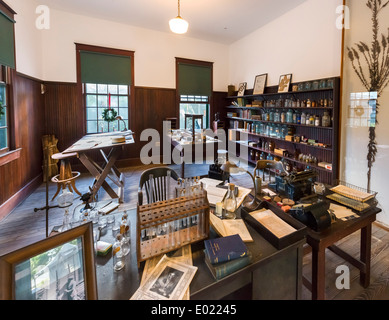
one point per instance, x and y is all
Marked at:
(274, 126)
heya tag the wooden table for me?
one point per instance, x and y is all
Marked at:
(326, 239)
(192, 147)
(273, 274)
(103, 142)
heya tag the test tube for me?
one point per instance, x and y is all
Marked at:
(177, 232)
(172, 234)
(168, 175)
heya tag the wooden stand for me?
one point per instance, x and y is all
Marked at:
(169, 225)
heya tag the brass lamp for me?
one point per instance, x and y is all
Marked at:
(232, 168)
(262, 165)
(121, 119)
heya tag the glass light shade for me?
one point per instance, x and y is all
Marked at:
(178, 25)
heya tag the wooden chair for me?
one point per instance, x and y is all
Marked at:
(66, 177)
(156, 189)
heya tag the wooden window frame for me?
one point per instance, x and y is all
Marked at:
(81, 120)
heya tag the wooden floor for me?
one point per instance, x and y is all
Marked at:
(24, 226)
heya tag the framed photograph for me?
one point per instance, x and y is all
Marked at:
(260, 84)
(242, 89)
(169, 280)
(61, 267)
(285, 81)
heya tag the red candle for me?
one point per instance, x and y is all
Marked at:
(109, 101)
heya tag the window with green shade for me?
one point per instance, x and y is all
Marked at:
(106, 77)
(7, 42)
(194, 87)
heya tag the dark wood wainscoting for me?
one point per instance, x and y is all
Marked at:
(21, 175)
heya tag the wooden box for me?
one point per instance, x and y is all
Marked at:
(171, 224)
(278, 243)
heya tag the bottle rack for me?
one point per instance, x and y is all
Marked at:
(171, 224)
(245, 114)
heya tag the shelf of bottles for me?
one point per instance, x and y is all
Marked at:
(298, 127)
(168, 225)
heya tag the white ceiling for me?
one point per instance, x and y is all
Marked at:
(223, 21)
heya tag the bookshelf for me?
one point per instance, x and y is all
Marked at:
(274, 126)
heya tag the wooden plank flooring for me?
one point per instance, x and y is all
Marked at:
(24, 226)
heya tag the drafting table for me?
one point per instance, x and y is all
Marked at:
(103, 142)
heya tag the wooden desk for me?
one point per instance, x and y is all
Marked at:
(273, 274)
(319, 242)
(103, 142)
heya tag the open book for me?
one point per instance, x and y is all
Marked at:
(273, 223)
(230, 227)
(216, 194)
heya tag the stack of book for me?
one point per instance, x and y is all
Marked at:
(226, 255)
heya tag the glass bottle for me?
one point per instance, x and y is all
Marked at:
(326, 120)
(230, 204)
(312, 120)
(278, 131)
(317, 121)
(277, 116)
(282, 117)
(289, 116)
(125, 225)
(66, 222)
(303, 118)
(117, 252)
(294, 117)
(307, 120)
(126, 245)
(308, 103)
(271, 115)
(125, 232)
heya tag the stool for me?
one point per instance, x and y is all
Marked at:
(66, 176)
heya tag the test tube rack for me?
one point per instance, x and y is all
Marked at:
(168, 225)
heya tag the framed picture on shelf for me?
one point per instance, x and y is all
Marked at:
(60, 267)
(284, 84)
(242, 89)
(260, 83)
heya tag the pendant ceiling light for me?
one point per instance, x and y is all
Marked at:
(178, 25)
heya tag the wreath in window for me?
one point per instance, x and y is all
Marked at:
(109, 115)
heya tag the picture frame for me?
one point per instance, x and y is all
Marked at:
(60, 267)
(284, 83)
(242, 89)
(260, 84)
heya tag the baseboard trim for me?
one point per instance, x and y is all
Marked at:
(7, 207)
